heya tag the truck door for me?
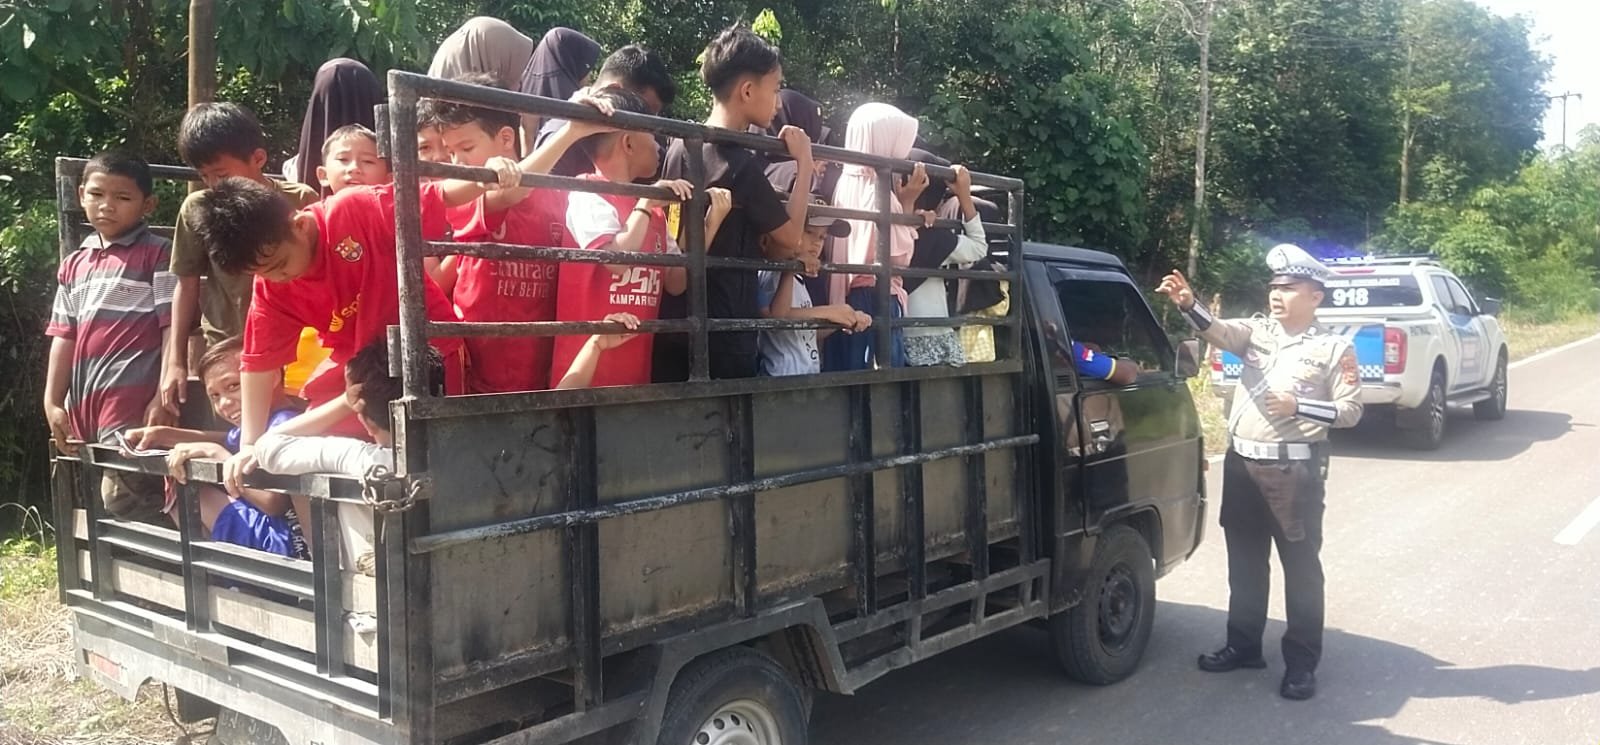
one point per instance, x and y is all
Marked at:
(1452, 326)
(1066, 509)
(1468, 320)
(1130, 437)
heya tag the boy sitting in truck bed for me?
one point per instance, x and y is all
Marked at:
(112, 306)
(259, 519)
(369, 390)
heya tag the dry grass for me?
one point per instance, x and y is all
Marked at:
(1213, 420)
(42, 702)
(1526, 339)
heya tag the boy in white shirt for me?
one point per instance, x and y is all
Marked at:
(783, 295)
(369, 389)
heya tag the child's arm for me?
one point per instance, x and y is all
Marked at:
(443, 271)
(255, 406)
(175, 360)
(158, 437)
(594, 223)
(581, 373)
(849, 319)
(293, 455)
(788, 239)
(57, 373)
(717, 213)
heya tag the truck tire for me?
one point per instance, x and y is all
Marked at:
(1101, 640)
(734, 696)
(1424, 428)
(1493, 408)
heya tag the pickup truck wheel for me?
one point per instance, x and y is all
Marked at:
(1426, 431)
(1494, 407)
(734, 696)
(1101, 640)
(234, 728)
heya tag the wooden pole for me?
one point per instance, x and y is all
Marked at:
(202, 52)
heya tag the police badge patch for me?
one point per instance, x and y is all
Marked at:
(1348, 369)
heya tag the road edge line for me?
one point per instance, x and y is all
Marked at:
(1580, 525)
(1551, 352)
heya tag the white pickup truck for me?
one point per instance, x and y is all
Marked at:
(1421, 339)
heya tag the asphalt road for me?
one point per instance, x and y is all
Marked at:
(1463, 609)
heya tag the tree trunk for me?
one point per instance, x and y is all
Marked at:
(1201, 135)
(1407, 135)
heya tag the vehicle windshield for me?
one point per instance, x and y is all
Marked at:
(1395, 291)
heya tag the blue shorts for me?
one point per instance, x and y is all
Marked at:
(243, 524)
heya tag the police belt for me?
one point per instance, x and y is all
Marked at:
(1255, 450)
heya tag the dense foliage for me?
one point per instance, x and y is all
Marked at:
(1325, 112)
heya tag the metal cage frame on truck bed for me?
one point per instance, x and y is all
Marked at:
(907, 529)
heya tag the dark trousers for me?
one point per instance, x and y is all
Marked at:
(1257, 499)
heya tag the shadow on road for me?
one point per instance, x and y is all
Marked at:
(1007, 689)
(1465, 439)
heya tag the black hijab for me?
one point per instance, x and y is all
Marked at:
(344, 92)
(799, 110)
(934, 245)
(559, 64)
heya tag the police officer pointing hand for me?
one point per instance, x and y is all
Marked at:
(1298, 382)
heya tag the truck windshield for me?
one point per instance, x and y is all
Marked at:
(1371, 292)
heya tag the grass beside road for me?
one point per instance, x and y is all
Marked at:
(41, 700)
(1523, 339)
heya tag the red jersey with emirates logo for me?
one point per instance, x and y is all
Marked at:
(350, 293)
(511, 290)
(590, 292)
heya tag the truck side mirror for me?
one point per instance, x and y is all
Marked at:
(1188, 362)
(1490, 306)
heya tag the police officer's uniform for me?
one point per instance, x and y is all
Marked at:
(1273, 473)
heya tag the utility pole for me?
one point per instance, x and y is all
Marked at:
(1564, 97)
(202, 52)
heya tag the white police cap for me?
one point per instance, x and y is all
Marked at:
(1290, 262)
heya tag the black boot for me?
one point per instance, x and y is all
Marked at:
(1229, 659)
(1298, 686)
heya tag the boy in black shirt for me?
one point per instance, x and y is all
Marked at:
(744, 74)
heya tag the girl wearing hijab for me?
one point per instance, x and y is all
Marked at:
(797, 109)
(483, 45)
(883, 130)
(344, 92)
(557, 69)
(937, 248)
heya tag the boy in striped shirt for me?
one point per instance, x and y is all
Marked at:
(112, 308)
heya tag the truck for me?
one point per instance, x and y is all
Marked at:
(1422, 343)
(671, 563)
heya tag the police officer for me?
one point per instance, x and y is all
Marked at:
(1298, 381)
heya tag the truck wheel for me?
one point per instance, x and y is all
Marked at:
(1494, 408)
(1426, 431)
(734, 696)
(1101, 640)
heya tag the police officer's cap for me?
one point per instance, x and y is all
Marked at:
(1290, 263)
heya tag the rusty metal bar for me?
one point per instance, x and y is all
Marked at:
(408, 242)
(548, 107)
(693, 220)
(438, 541)
(678, 325)
(883, 295)
(580, 255)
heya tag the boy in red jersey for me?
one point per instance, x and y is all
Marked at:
(503, 289)
(605, 222)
